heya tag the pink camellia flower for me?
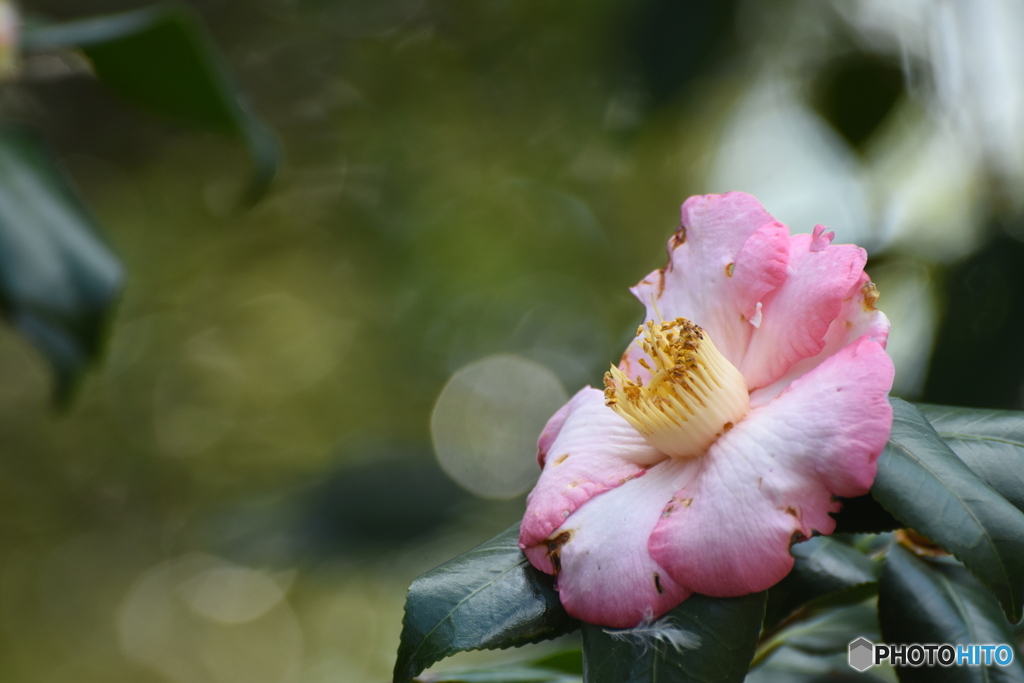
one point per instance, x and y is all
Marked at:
(754, 395)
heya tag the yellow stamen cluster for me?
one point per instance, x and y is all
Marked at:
(694, 395)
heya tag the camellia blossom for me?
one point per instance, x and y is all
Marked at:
(753, 396)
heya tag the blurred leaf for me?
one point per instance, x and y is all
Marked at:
(824, 567)
(922, 482)
(927, 602)
(856, 93)
(58, 278)
(488, 598)
(727, 629)
(831, 632)
(502, 675)
(162, 58)
(789, 665)
(991, 442)
(568, 661)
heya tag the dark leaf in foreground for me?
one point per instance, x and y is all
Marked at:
(58, 277)
(925, 485)
(488, 598)
(507, 674)
(932, 602)
(990, 442)
(723, 630)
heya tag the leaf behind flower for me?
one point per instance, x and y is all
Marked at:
(926, 486)
(990, 442)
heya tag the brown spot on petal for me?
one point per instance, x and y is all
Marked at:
(678, 238)
(760, 480)
(870, 294)
(727, 426)
(687, 502)
(661, 286)
(730, 269)
(560, 459)
(657, 584)
(792, 512)
(555, 549)
(668, 511)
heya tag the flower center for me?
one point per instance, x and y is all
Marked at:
(694, 394)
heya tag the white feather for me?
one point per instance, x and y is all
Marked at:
(653, 634)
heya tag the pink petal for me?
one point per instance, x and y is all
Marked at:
(606, 574)
(857, 318)
(554, 427)
(726, 256)
(796, 317)
(592, 451)
(771, 478)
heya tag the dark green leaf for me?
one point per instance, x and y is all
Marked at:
(162, 58)
(58, 278)
(503, 675)
(488, 598)
(925, 485)
(568, 661)
(990, 442)
(727, 629)
(789, 665)
(824, 567)
(932, 602)
(830, 632)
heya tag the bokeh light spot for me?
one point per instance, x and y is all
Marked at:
(486, 422)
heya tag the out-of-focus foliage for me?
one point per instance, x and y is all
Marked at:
(160, 57)
(244, 489)
(59, 278)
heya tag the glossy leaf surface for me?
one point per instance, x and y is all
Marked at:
(925, 485)
(488, 598)
(727, 629)
(503, 675)
(990, 442)
(932, 602)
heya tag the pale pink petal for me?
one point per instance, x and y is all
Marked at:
(594, 450)
(726, 256)
(554, 426)
(796, 316)
(771, 478)
(606, 575)
(857, 318)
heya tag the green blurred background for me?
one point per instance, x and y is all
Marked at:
(244, 486)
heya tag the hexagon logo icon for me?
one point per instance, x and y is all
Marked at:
(862, 654)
